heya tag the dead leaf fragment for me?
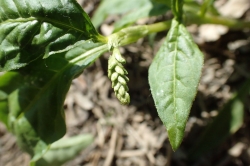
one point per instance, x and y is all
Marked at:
(234, 8)
(210, 32)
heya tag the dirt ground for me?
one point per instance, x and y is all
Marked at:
(133, 135)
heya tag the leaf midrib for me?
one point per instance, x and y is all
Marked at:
(175, 68)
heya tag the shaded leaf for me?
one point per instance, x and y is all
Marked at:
(64, 150)
(173, 77)
(109, 7)
(31, 29)
(149, 9)
(4, 112)
(168, 2)
(191, 7)
(8, 83)
(228, 121)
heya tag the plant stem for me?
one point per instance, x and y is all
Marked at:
(132, 34)
(231, 23)
(176, 6)
(158, 27)
(206, 4)
(209, 19)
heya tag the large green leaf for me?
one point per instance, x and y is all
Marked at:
(174, 76)
(35, 109)
(30, 29)
(53, 42)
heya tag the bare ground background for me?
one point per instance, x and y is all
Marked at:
(133, 134)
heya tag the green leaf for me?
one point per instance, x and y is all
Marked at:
(173, 77)
(8, 83)
(229, 120)
(194, 8)
(149, 9)
(110, 7)
(35, 109)
(3, 96)
(4, 110)
(64, 150)
(39, 28)
(166, 2)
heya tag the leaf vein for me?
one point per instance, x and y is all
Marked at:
(18, 12)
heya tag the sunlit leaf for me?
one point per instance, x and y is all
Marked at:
(174, 76)
(30, 29)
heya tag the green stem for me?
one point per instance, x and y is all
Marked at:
(132, 34)
(176, 6)
(206, 4)
(159, 27)
(209, 19)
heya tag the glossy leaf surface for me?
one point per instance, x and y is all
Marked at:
(39, 28)
(35, 103)
(174, 76)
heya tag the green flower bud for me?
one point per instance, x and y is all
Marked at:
(114, 76)
(112, 63)
(119, 70)
(122, 91)
(122, 80)
(126, 78)
(118, 56)
(117, 74)
(126, 99)
(117, 86)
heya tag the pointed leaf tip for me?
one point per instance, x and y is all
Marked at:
(175, 137)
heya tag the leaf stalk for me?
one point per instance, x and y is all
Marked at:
(132, 34)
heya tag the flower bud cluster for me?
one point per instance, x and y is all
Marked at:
(117, 74)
